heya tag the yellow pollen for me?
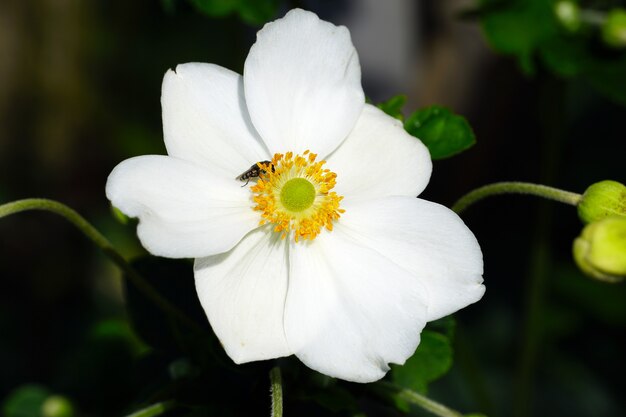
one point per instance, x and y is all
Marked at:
(295, 196)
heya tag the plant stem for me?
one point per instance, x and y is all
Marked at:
(103, 243)
(418, 399)
(499, 188)
(277, 392)
(153, 410)
(427, 404)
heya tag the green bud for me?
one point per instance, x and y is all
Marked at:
(602, 199)
(568, 15)
(57, 406)
(600, 251)
(614, 28)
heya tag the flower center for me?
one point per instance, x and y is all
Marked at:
(297, 194)
(294, 194)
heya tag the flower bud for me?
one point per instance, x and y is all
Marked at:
(602, 199)
(614, 28)
(600, 251)
(568, 14)
(57, 406)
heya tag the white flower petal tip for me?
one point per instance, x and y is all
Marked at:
(351, 311)
(206, 121)
(426, 239)
(184, 210)
(243, 294)
(302, 82)
(379, 159)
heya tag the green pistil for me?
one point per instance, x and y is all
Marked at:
(297, 194)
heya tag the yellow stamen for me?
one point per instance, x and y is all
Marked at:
(293, 208)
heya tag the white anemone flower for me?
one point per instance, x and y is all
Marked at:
(328, 255)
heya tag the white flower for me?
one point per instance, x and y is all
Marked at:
(339, 263)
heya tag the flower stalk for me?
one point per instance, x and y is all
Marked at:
(499, 188)
(153, 410)
(415, 398)
(105, 246)
(276, 388)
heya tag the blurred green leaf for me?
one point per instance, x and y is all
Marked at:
(432, 359)
(445, 325)
(36, 401)
(534, 33)
(565, 56)
(255, 12)
(518, 27)
(444, 133)
(609, 79)
(168, 5)
(26, 401)
(393, 106)
(115, 329)
(216, 8)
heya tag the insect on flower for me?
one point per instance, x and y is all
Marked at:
(254, 171)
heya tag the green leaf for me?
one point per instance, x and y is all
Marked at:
(445, 326)
(431, 360)
(215, 8)
(518, 27)
(608, 79)
(393, 106)
(255, 12)
(444, 133)
(26, 401)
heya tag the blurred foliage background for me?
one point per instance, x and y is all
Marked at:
(79, 92)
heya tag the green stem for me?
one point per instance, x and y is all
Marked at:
(277, 392)
(499, 188)
(101, 242)
(153, 410)
(420, 400)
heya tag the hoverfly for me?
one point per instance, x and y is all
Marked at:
(254, 171)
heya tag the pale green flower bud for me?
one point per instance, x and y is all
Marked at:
(57, 406)
(600, 251)
(614, 28)
(568, 15)
(602, 199)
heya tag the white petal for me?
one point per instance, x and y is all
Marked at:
(303, 84)
(427, 239)
(184, 210)
(243, 294)
(350, 311)
(379, 158)
(205, 119)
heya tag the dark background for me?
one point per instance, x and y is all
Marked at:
(79, 92)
